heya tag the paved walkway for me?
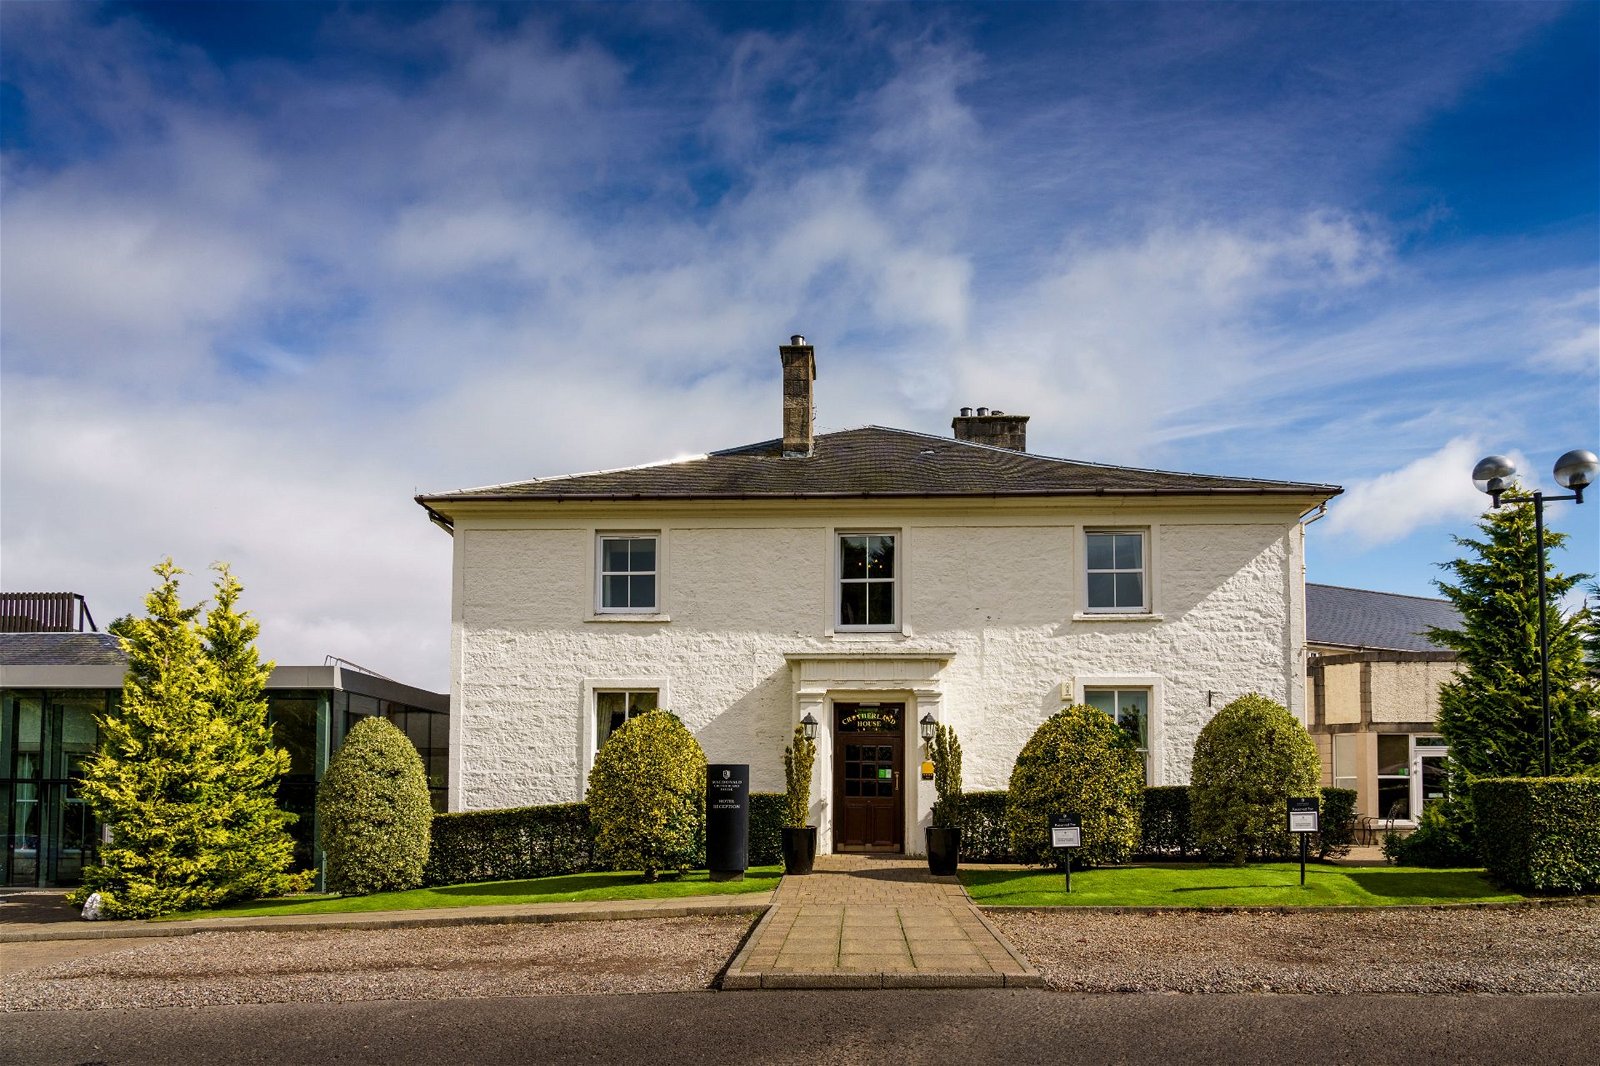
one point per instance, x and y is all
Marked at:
(862, 921)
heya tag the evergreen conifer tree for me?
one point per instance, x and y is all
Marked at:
(174, 762)
(1490, 713)
(255, 849)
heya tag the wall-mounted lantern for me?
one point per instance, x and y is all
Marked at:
(809, 725)
(928, 726)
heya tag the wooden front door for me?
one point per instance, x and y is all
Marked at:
(868, 791)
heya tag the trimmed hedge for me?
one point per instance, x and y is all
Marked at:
(647, 796)
(1079, 761)
(767, 813)
(1164, 827)
(1338, 823)
(1248, 760)
(374, 817)
(511, 844)
(1539, 834)
(984, 837)
(1165, 832)
(554, 840)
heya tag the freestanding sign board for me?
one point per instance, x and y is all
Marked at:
(1065, 834)
(1303, 814)
(727, 820)
(1304, 820)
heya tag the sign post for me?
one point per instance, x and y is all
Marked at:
(1303, 821)
(1065, 835)
(727, 821)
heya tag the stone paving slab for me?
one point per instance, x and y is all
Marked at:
(859, 921)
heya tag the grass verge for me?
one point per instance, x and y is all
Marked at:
(574, 888)
(1262, 885)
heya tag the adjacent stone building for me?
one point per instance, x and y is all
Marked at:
(1374, 680)
(867, 579)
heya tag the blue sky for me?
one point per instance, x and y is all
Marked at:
(269, 269)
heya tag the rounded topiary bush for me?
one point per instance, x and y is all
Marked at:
(647, 796)
(1248, 761)
(373, 815)
(1078, 762)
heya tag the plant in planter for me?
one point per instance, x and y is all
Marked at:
(799, 839)
(944, 835)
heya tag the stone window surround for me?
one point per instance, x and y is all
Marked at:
(835, 576)
(1151, 611)
(589, 715)
(597, 613)
(1155, 725)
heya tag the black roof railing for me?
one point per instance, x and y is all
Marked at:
(45, 612)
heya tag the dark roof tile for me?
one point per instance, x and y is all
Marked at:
(873, 461)
(60, 649)
(1387, 621)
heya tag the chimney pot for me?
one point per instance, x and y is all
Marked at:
(994, 428)
(797, 340)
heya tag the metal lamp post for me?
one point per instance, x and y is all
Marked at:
(1496, 475)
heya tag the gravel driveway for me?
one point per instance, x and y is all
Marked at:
(340, 965)
(1524, 950)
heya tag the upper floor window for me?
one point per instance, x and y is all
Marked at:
(868, 598)
(1130, 709)
(626, 573)
(1116, 575)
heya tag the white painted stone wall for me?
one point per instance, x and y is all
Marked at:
(997, 586)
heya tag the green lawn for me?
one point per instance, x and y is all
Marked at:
(590, 887)
(1263, 885)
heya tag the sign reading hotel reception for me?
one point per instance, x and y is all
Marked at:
(727, 820)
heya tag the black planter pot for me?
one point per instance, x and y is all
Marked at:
(944, 845)
(799, 849)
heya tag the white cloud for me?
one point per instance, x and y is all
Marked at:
(250, 310)
(1432, 489)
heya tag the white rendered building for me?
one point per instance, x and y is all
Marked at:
(867, 578)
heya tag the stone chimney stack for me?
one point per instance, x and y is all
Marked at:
(799, 371)
(995, 428)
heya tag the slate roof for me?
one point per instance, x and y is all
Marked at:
(60, 649)
(873, 461)
(1386, 621)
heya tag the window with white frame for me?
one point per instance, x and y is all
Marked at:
(1115, 571)
(1130, 709)
(626, 572)
(613, 707)
(1344, 761)
(868, 597)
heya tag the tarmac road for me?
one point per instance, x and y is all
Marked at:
(888, 1027)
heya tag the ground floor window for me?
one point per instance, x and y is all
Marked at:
(1345, 761)
(1412, 773)
(1394, 776)
(1130, 709)
(613, 707)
